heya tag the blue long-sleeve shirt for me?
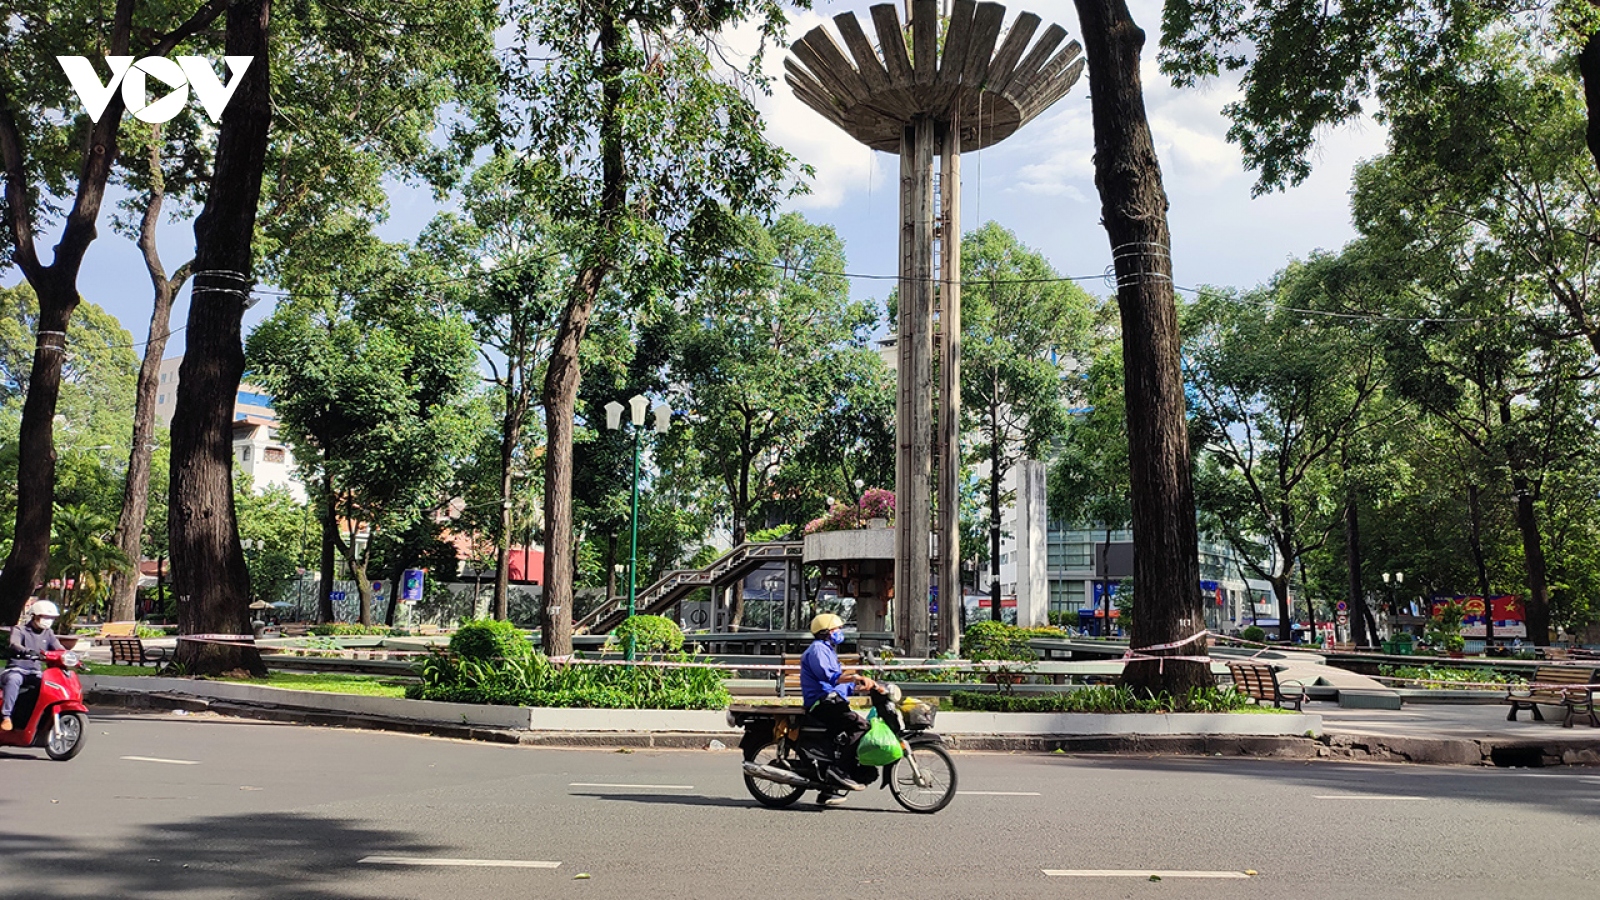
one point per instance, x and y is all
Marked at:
(819, 674)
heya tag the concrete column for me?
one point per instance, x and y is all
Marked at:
(1032, 546)
(915, 389)
(949, 525)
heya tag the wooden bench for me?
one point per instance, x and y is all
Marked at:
(1259, 682)
(111, 630)
(789, 678)
(1563, 686)
(131, 651)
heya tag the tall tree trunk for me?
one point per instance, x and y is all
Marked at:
(209, 573)
(995, 614)
(326, 566)
(560, 395)
(129, 536)
(56, 286)
(1287, 556)
(1537, 606)
(1479, 562)
(741, 532)
(394, 593)
(502, 544)
(1133, 209)
(1589, 69)
(356, 557)
(1366, 632)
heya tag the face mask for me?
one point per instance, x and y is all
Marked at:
(836, 638)
(46, 623)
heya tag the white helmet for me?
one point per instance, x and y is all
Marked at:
(44, 609)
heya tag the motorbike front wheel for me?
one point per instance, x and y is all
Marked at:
(66, 739)
(770, 793)
(931, 786)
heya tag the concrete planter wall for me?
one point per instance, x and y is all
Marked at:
(857, 543)
(1125, 723)
(522, 718)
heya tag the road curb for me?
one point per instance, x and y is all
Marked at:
(1334, 747)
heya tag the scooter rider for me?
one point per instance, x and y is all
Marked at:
(28, 645)
(825, 689)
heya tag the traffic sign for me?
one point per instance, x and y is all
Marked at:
(1342, 606)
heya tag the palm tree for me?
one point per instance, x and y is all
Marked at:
(82, 554)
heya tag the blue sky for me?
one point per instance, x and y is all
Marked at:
(1039, 183)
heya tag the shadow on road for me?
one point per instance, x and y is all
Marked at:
(725, 802)
(268, 855)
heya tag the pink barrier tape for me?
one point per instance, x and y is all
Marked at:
(776, 667)
(232, 639)
(1142, 653)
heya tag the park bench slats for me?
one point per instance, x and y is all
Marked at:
(1259, 682)
(789, 678)
(132, 651)
(1563, 686)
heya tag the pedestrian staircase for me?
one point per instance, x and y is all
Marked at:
(677, 584)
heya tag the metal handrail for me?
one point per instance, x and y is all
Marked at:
(680, 581)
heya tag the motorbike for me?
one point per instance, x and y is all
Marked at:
(785, 750)
(50, 712)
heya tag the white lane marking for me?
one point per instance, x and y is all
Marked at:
(157, 759)
(1002, 793)
(659, 787)
(1364, 797)
(481, 863)
(1139, 873)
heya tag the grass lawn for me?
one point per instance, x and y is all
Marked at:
(330, 682)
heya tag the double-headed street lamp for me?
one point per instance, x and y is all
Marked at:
(663, 413)
(1392, 581)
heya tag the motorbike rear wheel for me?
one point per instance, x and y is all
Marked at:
(937, 786)
(65, 741)
(770, 793)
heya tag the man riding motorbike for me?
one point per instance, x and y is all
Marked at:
(27, 646)
(825, 690)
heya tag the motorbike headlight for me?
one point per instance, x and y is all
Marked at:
(69, 659)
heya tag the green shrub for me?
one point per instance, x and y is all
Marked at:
(145, 632)
(1449, 676)
(349, 629)
(489, 639)
(990, 640)
(651, 634)
(1102, 699)
(532, 680)
(1255, 634)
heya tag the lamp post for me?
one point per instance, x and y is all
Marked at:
(663, 413)
(772, 583)
(1392, 582)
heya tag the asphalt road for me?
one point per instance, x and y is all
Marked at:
(168, 806)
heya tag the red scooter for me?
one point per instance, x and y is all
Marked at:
(50, 711)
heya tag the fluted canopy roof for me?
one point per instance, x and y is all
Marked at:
(874, 92)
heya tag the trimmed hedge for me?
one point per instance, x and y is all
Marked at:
(651, 634)
(531, 679)
(990, 640)
(349, 629)
(1102, 699)
(489, 639)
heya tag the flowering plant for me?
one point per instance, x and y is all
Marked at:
(877, 503)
